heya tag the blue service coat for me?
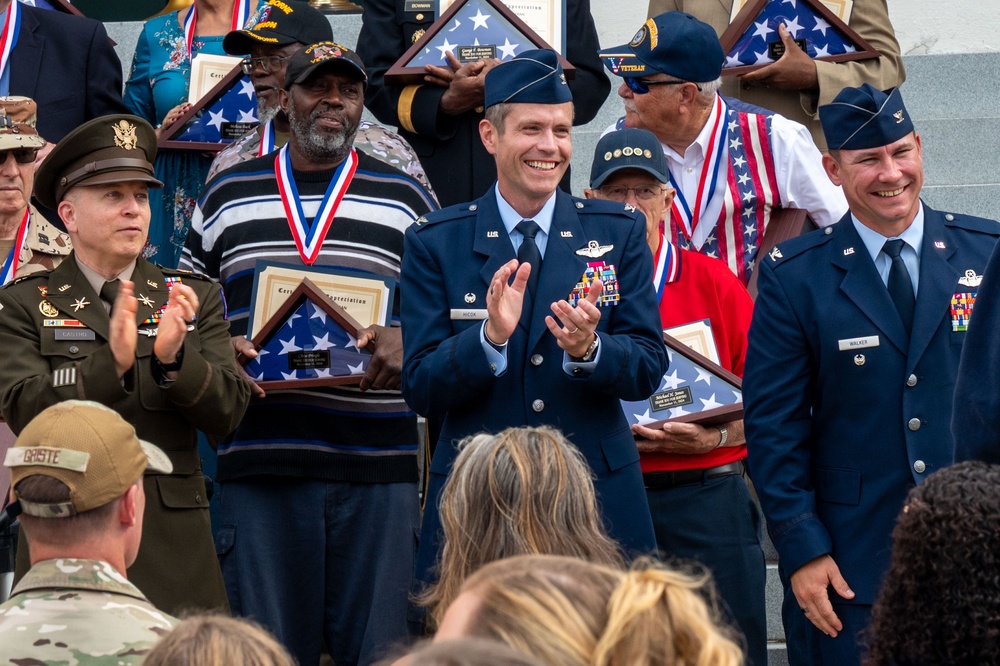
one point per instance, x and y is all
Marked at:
(448, 263)
(839, 431)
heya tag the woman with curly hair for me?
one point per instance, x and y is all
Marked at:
(940, 603)
(522, 491)
(569, 612)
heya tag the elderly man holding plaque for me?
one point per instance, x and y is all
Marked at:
(731, 169)
(153, 344)
(852, 360)
(700, 503)
(530, 307)
(319, 494)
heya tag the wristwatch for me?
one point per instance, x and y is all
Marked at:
(591, 350)
(723, 436)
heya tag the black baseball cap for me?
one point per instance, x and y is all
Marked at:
(278, 23)
(302, 64)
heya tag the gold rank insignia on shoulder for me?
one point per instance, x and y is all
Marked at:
(125, 135)
(970, 279)
(594, 250)
(774, 254)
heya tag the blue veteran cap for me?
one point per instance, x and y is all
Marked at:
(673, 43)
(628, 148)
(864, 117)
(533, 77)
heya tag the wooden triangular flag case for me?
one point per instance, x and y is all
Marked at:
(224, 114)
(472, 30)
(309, 341)
(694, 390)
(751, 41)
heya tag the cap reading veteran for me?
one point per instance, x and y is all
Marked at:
(110, 149)
(279, 23)
(87, 446)
(17, 123)
(629, 148)
(533, 77)
(331, 55)
(864, 117)
(673, 43)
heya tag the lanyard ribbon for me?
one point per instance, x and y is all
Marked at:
(10, 265)
(686, 218)
(266, 139)
(241, 14)
(667, 266)
(309, 236)
(8, 38)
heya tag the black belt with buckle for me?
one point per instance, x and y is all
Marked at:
(681, 477)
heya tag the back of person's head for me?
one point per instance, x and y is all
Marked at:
(522, 491)
(72, 467)
(574, 613)
(468, 652)
(549, 606)
(660, 616)
(215, 640)
(940, 603)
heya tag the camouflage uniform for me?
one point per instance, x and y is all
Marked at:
(70, 611)
(372, 139)
(44, 248)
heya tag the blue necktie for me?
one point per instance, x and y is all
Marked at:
(900, 286)
(528, 252)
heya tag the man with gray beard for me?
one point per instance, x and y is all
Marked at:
(285, 28)
(319, 494)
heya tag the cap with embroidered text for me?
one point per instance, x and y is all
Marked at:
(87, 446)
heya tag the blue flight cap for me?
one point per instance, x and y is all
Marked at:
(534, 77)
(673, 43)
(629, 148)
(864, 117)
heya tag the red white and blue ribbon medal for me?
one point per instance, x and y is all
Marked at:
(309, 235)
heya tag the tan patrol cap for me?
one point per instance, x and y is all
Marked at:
(87, 446)
(18, 116)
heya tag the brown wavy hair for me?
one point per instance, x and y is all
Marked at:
(569, 612)
(522, 491)
(940, 603)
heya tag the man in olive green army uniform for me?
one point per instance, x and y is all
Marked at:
(76, 473)
(151, 343)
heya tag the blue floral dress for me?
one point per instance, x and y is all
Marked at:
(157, 83)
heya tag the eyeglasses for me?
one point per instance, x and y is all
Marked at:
(642, 193)
(641, 86)
(267, 63)
(21, 155)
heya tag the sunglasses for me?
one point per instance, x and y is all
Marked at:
(21, 155)
(267, 64)
(641, 86)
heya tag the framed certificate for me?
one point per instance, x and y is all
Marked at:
(694, 390)
(308, 341)
(366, 297)
(206, 72)
(547, 18)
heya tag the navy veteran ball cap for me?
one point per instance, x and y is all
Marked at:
(628, 149)
(326, 55)
(278, 23)
(110, 149)
(673, 43)
(864, 117)
(533, 77)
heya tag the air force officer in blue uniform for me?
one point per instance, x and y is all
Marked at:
(490, 340)
(851, 364)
